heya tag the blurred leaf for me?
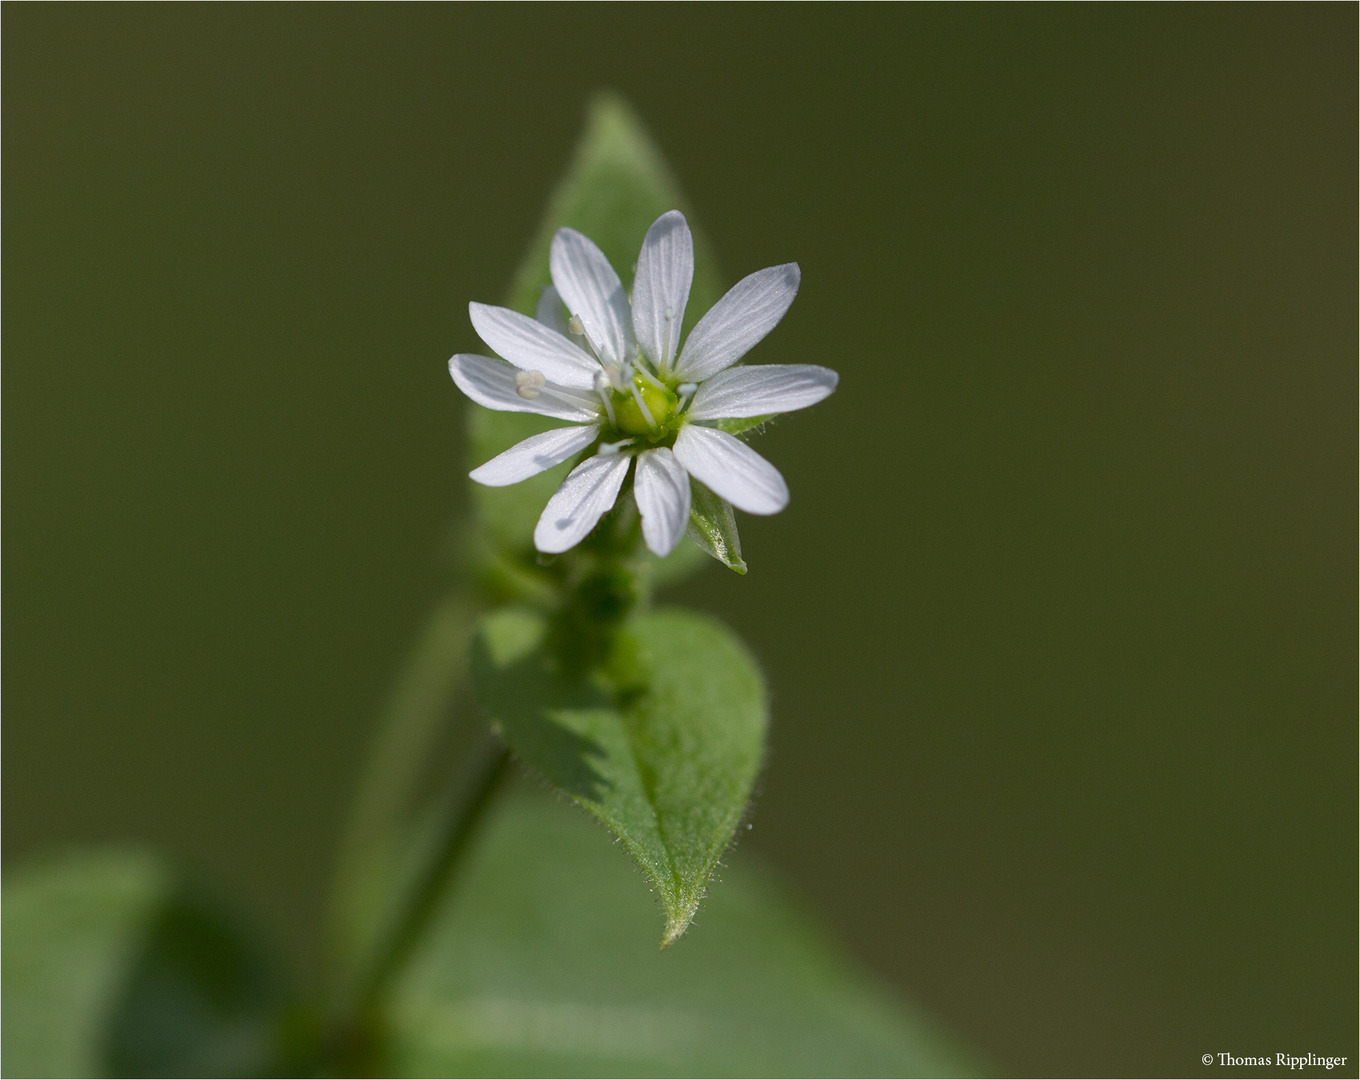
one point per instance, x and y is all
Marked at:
(71, 931)
(713, 527)
(616, 186)
(663, 747)
(539, 965)
(113, 967)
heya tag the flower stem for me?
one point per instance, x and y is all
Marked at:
(353, 1041)
(399, 857)
(457, 816)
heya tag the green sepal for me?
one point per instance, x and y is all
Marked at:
(713, 526)
(743, 423)
(661, 741)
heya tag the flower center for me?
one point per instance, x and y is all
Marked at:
(642, 408)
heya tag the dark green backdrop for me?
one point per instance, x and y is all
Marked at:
(1061, 620)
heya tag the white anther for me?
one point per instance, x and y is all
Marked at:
(670, 314)
(609, 449)
(686, 391)
(527, 384)
(576, 326)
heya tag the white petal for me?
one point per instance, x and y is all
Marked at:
(735, 323)
(661, 487)
(732, 469)
(661, 287)
(549, 311)
(533, 347)
(492, 383)
(580, 502)
(533, 455)
(761, 389)
(593, 292)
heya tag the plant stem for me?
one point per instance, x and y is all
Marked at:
(401, 850)
(352, 1041)
(454, 820)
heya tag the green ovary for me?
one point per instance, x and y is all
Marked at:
(660, 403)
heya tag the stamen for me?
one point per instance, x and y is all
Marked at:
(642, 406)
(529, 384)
(670, 314)
(686, 391)
(609, 449)
(602, 388)
(615, 375)
(574, 398)
(577, 328)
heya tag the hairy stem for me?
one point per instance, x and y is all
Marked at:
(352, 1042)
(419, 716)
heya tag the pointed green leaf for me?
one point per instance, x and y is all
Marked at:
(713, 526)
(615, 187)
(663, 746)
(539, 964)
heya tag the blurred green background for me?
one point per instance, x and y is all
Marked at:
(1061, 620)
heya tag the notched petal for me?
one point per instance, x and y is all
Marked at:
(661, 287)
(762, 390)
(533, 455)
(491, 383)
(593, 292)
(733, 326)
(661, 488)
(585, 496)
(531, 346)
(732, 469)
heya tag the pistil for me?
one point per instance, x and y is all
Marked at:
(642, 406)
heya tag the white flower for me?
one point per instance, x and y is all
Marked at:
(613, 372)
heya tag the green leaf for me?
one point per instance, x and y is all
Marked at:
(113, 966)
(538, 965)
(713, 527)
(71, 930)
(662, 746)
(615, 187)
